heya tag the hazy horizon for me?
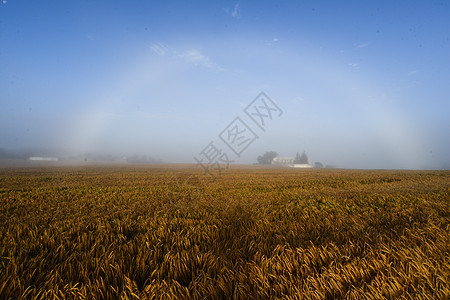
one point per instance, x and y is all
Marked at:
(358, 85)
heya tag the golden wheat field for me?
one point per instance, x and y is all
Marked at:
(164, 232)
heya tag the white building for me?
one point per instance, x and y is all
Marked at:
(289, 162)
(282, 161)
(302, 166)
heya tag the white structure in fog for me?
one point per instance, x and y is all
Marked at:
(302, 161)
(282, 161)
(302, 166)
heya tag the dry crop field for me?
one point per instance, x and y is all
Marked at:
(161, 232)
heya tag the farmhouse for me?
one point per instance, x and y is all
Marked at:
(303, 166)
(282, 161)
(301, 161)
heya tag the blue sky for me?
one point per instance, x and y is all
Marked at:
(362, 84)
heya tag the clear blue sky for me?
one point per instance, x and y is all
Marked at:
(362, 84)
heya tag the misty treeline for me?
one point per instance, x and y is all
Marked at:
(267, 158)
(24, 153)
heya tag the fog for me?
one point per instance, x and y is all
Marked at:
(352, 85)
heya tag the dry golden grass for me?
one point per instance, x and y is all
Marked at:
(171, 232)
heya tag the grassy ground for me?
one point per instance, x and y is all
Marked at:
(162, 232)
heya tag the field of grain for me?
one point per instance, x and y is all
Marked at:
(161, 232)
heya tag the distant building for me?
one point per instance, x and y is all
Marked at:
(282, 161)
(292, 163)
(303, 166)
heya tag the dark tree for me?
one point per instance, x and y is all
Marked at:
(301, 159)
(297, 158)
(266, 158)
(318, 164)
